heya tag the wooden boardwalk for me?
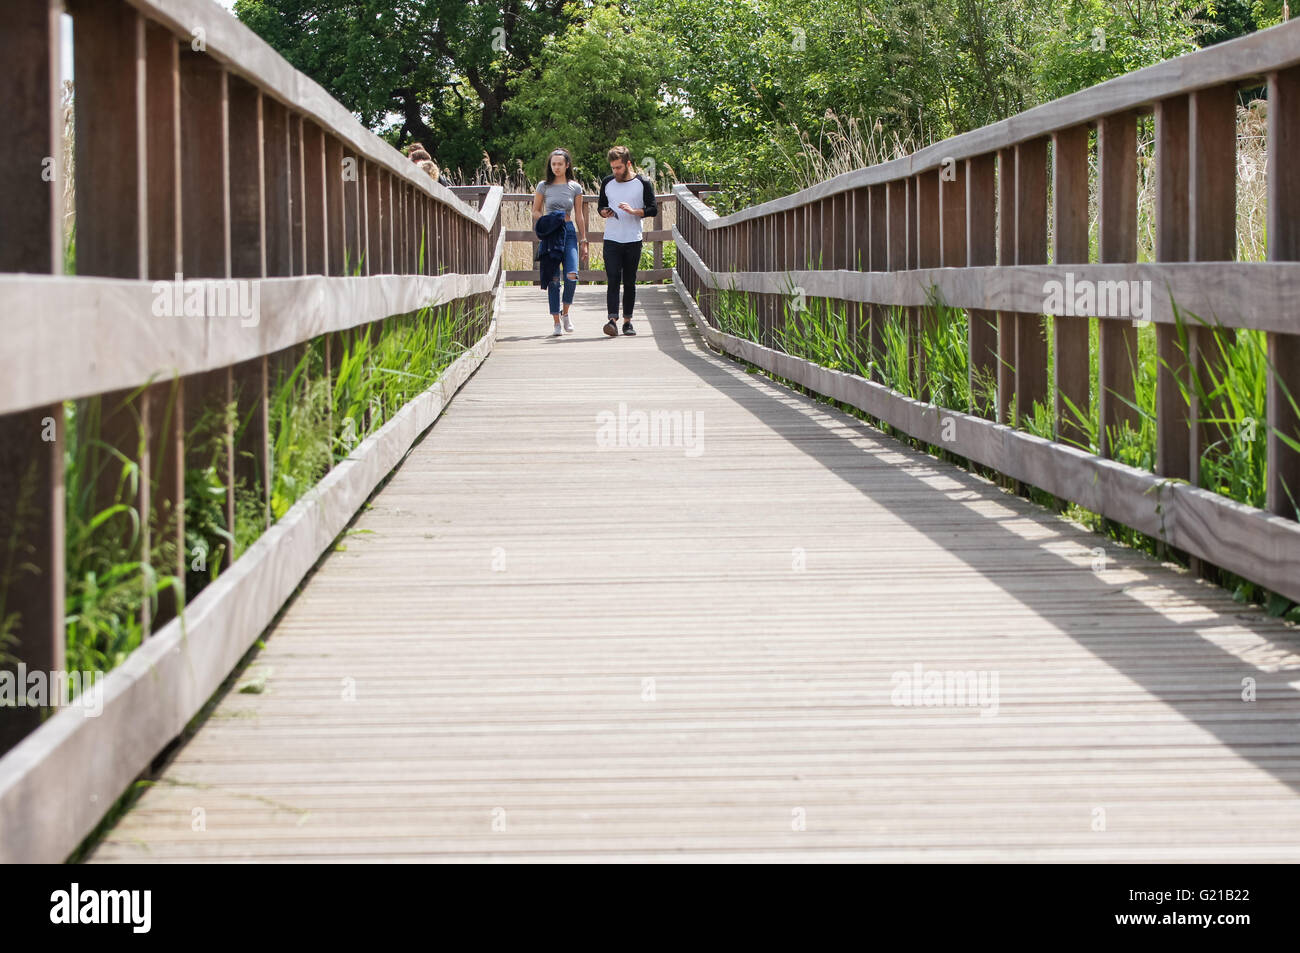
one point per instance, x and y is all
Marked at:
(535, 647)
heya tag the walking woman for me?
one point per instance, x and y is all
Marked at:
(561, 193)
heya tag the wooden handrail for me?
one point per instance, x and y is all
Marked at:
(205, 165)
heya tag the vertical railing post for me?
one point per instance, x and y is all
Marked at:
(982, 251)
(277, 178)
(298, 195)
(31, 442)
(879, 261)
(1031, 249)
(1212, 222)
(205, 252)
(896, 228)
(247, 230)
(929, 252)
(164, 402)
(952, 215)
(1006, 256)
(336, 219)
(374, 231)
(111, 136)
(1117, 243)
(315, 198)
(1283, 491)
(1070, 356)
(392, 225)
(915, 345)
(1173, 425)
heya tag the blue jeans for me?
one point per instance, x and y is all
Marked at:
(570, 268)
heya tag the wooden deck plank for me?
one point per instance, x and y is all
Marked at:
(503, 601)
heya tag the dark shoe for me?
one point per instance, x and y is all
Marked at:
(611, 327)
(628, 329)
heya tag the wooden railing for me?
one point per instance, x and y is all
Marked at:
(200, 156)
(965, 223)
(516, 211)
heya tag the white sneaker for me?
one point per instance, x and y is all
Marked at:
(568, 325)
(557, 332)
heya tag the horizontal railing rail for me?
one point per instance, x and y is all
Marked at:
(236, 232)
(965, 223)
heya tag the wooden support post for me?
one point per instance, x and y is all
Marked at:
(205, 252)
(1173, 425)
(856, 237)
(1070, 356)
(112, 135)
(830, 234)
(313, 152)
(252, 471)
(1212, 223)
(782, 233)
(392, 226)
(110, 140)
(1283, 492)
(897, 200)
(952, 218)
(915, 343)
(162, 404)
(982, 251)
(336, 221)
(1031, 249)
(278, 179)
(879, 261)
(1006, 256)
(297, 196)
(404, 230)
(31, 443)
(1117, 242)
(247, 180)
(353, 221)
(374, 248)
(801, 256)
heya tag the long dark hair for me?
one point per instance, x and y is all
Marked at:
(568, 166)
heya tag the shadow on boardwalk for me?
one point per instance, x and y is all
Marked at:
(1199, 655)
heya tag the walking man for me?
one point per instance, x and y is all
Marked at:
(626, 197)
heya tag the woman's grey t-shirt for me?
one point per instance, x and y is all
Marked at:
(559, 196)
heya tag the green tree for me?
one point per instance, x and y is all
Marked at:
(603, 82)
(443, 68)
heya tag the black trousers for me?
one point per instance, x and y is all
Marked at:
(621, 261)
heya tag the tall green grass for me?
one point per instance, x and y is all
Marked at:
(314, 420)
(107, 580)
(207, 533)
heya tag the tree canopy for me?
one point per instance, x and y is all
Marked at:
(763, 94)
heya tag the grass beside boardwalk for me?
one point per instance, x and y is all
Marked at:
(314, 421)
